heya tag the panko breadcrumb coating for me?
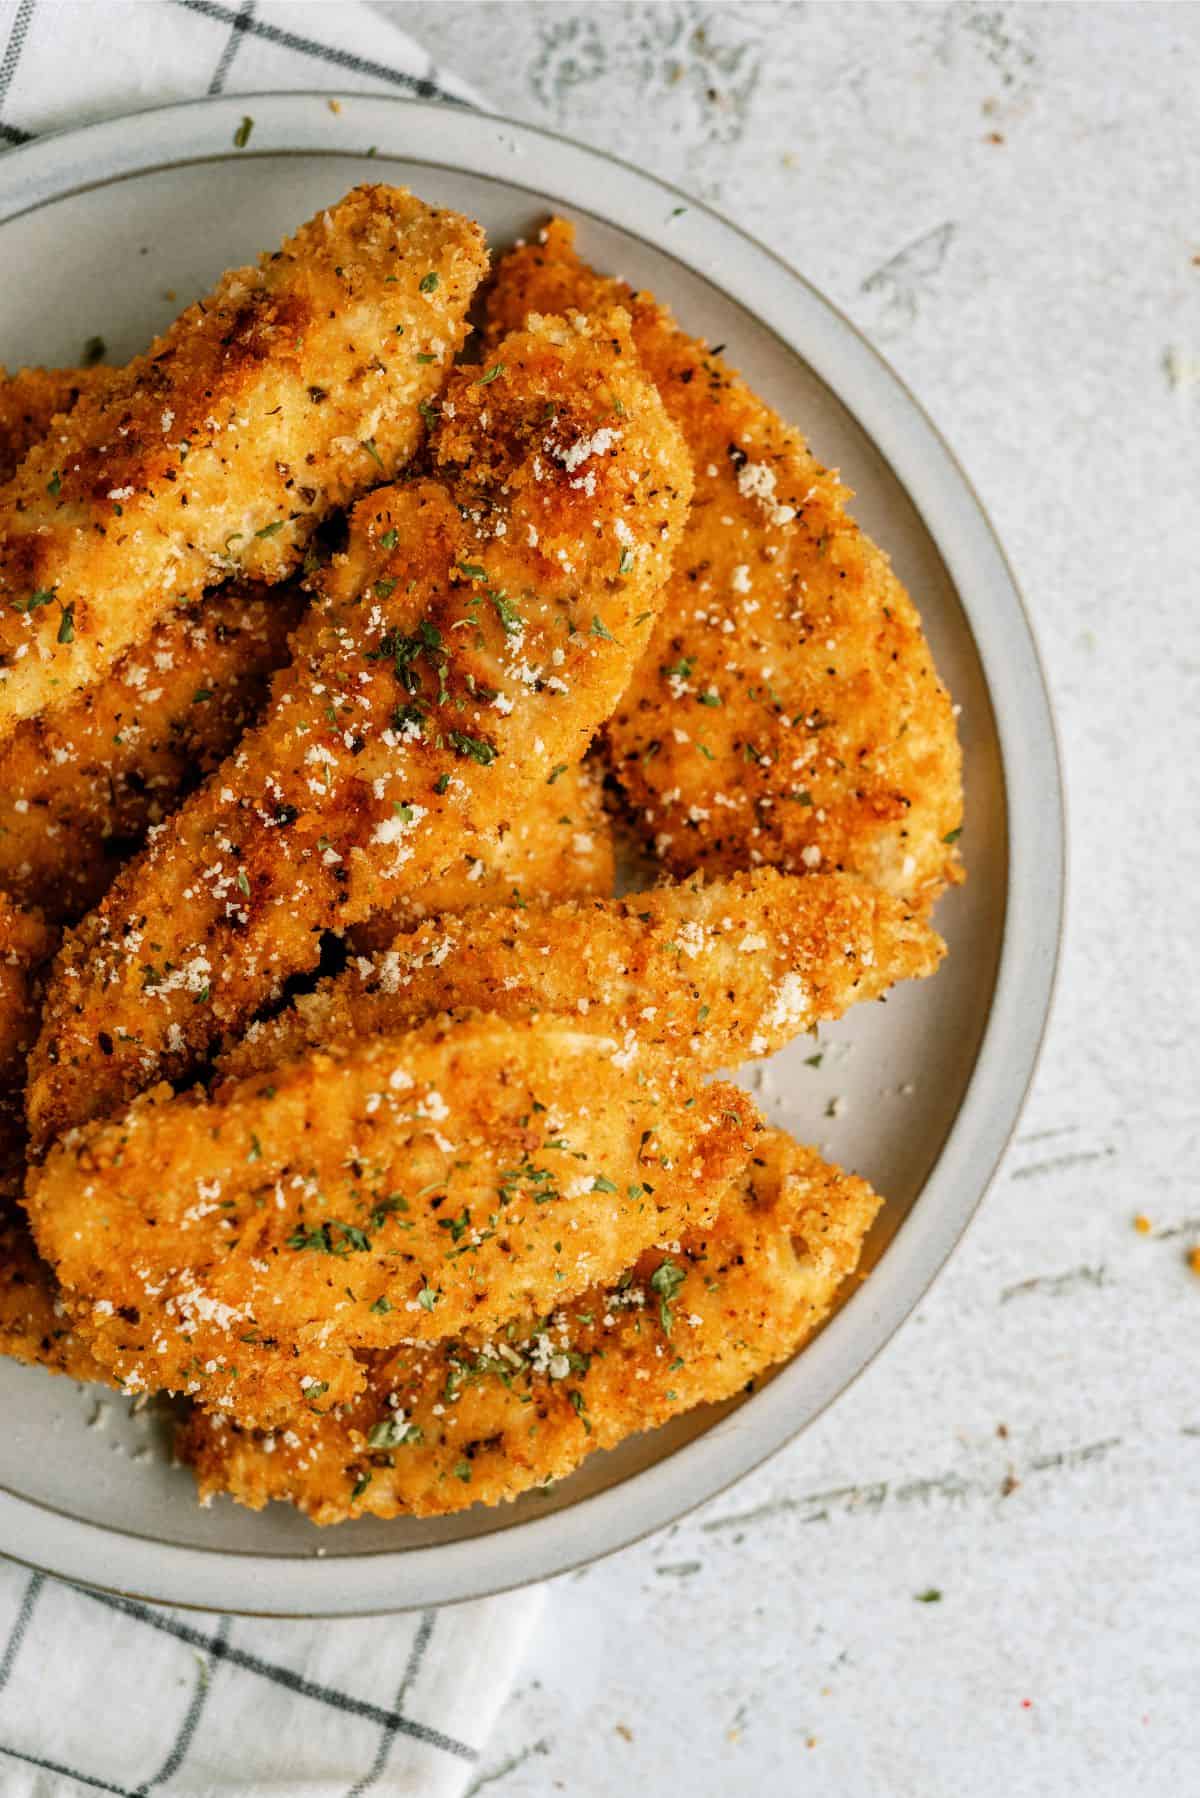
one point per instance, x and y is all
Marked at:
(717, 973)
(556, 844)
(35, 1326)
(477, 629)
(291, 389)
(443, 1427)
(386, 1191)
(787, 710)
(81, 785)
(30, 399)
(26, 940)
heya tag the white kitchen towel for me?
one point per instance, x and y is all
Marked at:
(102, 1694)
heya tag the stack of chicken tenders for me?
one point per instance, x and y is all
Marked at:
(339, 1096)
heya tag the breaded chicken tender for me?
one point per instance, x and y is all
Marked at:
(443, 1427)
(721, 972)
(30, 400)
(557, 844)
(387, 1191)
(478, 628)
(26, 940)
(787, 710)
(286, 393)
(35, 1326)
(81, 785)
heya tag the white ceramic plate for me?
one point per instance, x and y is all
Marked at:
(96, 228)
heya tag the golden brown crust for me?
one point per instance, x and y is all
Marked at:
(30, 400)
(438, 1429)
(475, 632)
(35, 1326)
(81, 785)
(240, 1247)
(556, 843)
(717, 973)
(787, 710)
(288, 391)
(26, 941)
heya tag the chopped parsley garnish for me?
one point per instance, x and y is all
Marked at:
(477, 748)
(441, 783)
(555, 772)
(426, 641)
(930, 1596)
(241, 136)
(709, 698)
(270, 530)
(54, 485)
(541, 1179)
(457, 1226)
(382, 1305)
(598, 630)
(311, 1239)
(424, 356)
(201, 694)
(368, 444)
(360, 1485)
(508, 614)
(94, 351)
(321, 1239)
(389, 539)
(666, 1281)
(430, 281)
(243, 882)
(497, 368)
(626, 563)
(66, 624)
(463, 1472)
(952, 836)
(384, 1208)
(602, 1183)
(427, 1298)
(393, 1432)
(41, 596)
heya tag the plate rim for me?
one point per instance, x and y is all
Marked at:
(320, 1584)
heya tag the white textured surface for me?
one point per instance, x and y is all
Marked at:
(1041, 295)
